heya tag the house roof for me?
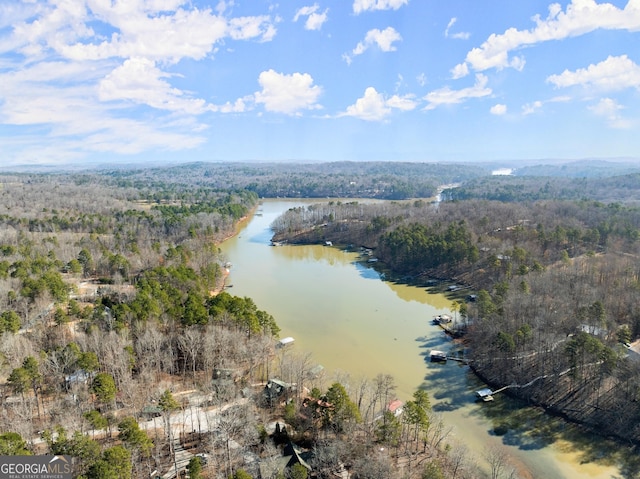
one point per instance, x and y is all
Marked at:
(395, 405)
(484, 392)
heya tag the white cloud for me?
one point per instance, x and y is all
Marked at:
(459, 71)
(404, 102)
(360, 6)
(245, 28)
(447, 96)
(422, 79)
(305, 11)
(457, 36)
(138, 31)
(73, 123)
(384, 39)
(315, 20)
(140, 81)
(614, 73)
(530, 108)
(498, 109)
(76, 69)
(239, 106)
(374, 107)
(610, 110)
(287, 94)
(580, 17)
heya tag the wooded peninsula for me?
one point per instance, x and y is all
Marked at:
(113, 315)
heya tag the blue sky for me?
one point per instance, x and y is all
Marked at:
(128, 81)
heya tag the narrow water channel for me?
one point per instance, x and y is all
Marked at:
(353, 321)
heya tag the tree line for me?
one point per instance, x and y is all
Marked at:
(555, 286)
(111, 307)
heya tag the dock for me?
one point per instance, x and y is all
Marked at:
(485, 395)
(285, 342)
(437, 356)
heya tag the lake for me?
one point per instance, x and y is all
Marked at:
(353, 321)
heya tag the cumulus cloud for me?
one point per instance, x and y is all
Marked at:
(457, 36)
(498, 109)
(374, 107)
(140, 81)
(447, 96)
(76, 68)
(287, 94)
(459, 71)
(610, 110)
(580, 17)
(360, 6)
(314, 20)
(383, 39)
(614, 73)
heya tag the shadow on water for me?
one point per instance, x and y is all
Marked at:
(517, 423)
(263, 237)
(447, 386)
(365, 271)
(529, 428)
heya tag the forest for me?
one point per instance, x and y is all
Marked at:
(120, 347)
(554, 283)
(382, 180)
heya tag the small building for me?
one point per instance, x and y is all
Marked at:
(277, 390)
(395, 407)
(593, 330)
(285, 341)
(150, 411)
(77, 378)
(484, 395)
(279, 466)
(437, 356)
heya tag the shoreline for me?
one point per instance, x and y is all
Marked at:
(236, 229)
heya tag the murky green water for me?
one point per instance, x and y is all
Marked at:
(351, 320)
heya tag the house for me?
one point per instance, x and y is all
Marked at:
(277, 466)
(77, 378)
(593, 330)
(276, 390)
(151, 411)
(395, 407)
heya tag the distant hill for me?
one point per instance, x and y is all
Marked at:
(343, 179)
(607, 189)
(581, 169)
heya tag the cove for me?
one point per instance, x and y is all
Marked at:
(354, 322)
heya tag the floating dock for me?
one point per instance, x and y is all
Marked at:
(437, 356)
(484, 395)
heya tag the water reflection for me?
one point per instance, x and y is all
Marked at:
(318, 296)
